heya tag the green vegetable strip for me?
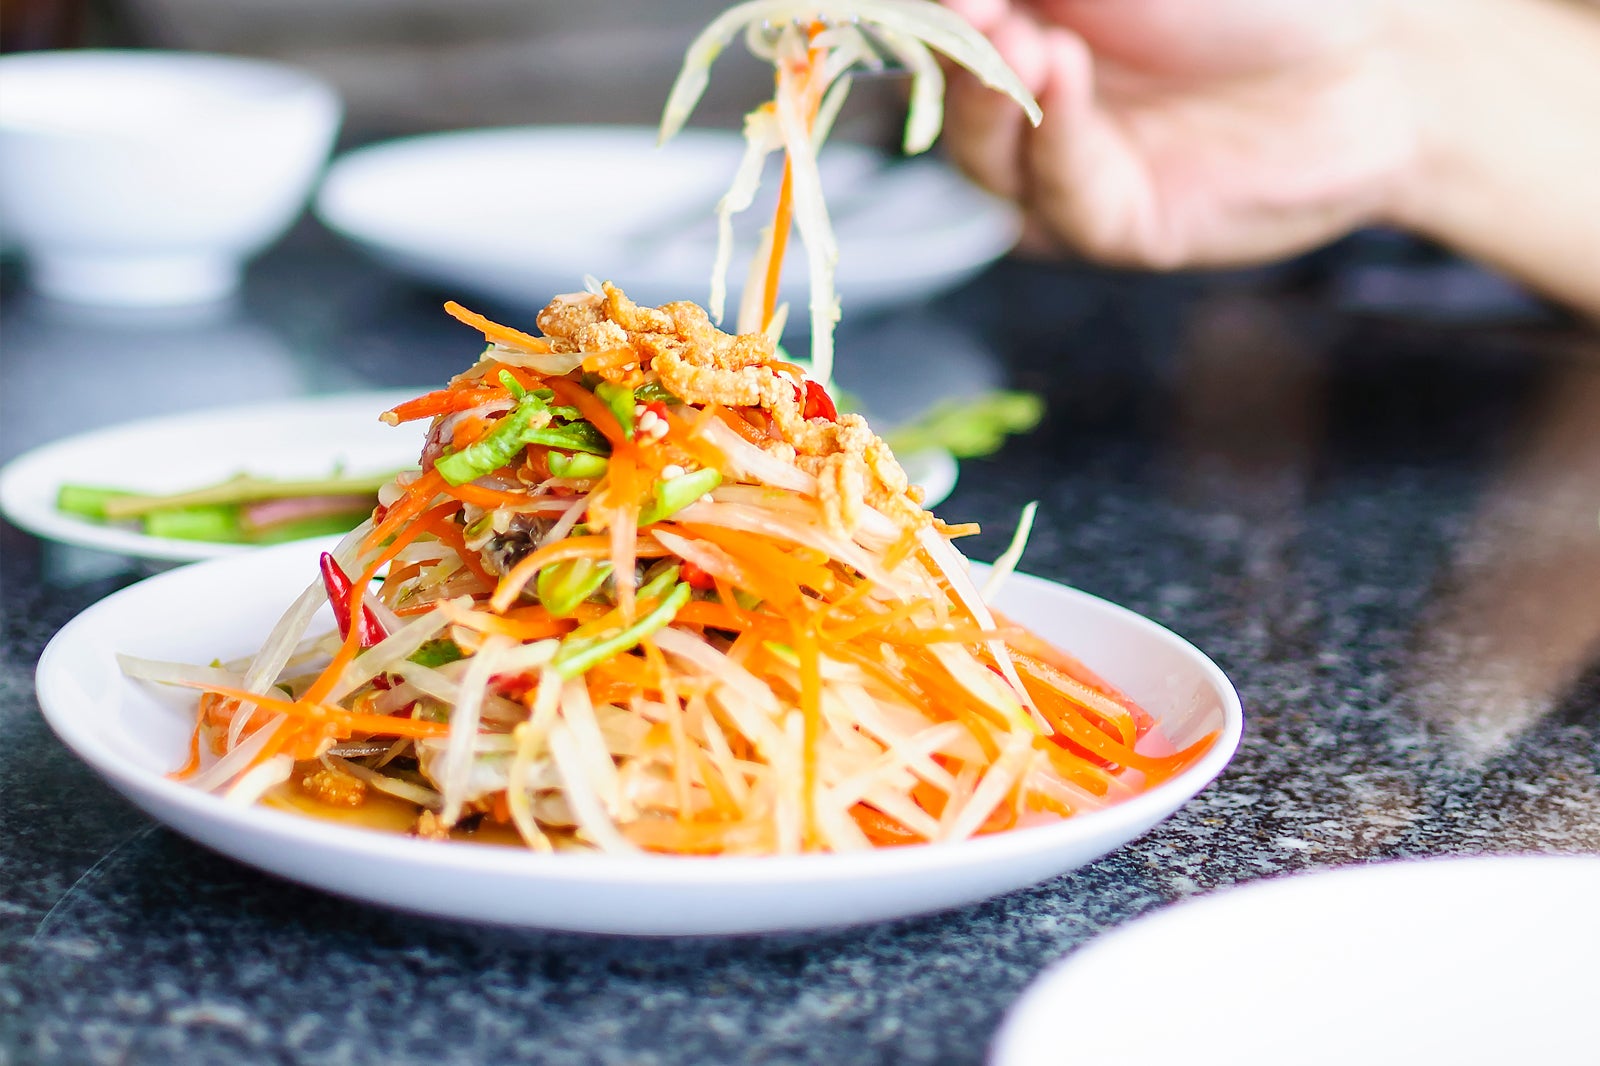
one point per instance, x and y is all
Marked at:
(576, 437)
(562, 586)
(659, 584)
(578, 466)
(301, 528)
(245, 488)
(195, 523)
(513, 386)
(437, 652)
(502, 443)
(674, 494)
(575, 658)
(88, 501)
(571, 414)
(652, 391)
(970, 429)
(221, 523)
(620, 400)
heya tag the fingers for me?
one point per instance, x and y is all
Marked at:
(1080, 174)
(984, 15)
(985, 128)
(1077, 175)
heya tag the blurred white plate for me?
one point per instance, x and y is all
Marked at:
(521, 214)
(1461, 961)
(291, 439)
(132, 734)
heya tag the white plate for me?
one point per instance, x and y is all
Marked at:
(291, 439)
(518, 214)
(1482, 960)
(132, 734)
(935, 470)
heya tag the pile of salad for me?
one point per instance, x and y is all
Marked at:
(651, 590)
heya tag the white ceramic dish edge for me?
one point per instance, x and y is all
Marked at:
(85, 700)
(1385, 962)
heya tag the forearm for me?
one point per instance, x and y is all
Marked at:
(1508, 116)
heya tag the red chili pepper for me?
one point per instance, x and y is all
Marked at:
(658, 407)
(819, 404)
(338, 584)
(696, 577)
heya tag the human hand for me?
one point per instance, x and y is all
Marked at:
(1180, 134)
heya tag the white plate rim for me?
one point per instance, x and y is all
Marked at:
(1034, 1021)
(152, 790)
(935, 471)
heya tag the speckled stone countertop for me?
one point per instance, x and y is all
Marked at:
(1367, 486)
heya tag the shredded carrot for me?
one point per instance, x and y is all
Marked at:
(716, 788)
(419, 494)
(872, 621)
(741, 425)
(782, 219)
(488, 499)
(682, 762)
(449, 534)
(370, 724)
(881, 829)
(622, 501)
(442, 402)
(1104, 711)
(610, 358)
(525, 624)
(697, 838)
(923, 635)
(597, 413)
(690, 439)
(810, 655)
(714, 615)
(771, 572)
(511, 338)
(358, 589)
(191, 765)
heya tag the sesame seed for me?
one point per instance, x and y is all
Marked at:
(671, 470)
(707, 498)
(638, 409)
(648, 422)
(658, 429)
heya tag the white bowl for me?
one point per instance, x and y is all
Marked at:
(147, 178)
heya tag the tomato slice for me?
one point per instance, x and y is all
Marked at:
(819, 404)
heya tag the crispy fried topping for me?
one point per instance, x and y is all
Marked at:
(334, 787)
(703, 365)
(430, 827)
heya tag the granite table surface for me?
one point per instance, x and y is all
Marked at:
(1366, 485)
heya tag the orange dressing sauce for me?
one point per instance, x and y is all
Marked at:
(381, 812)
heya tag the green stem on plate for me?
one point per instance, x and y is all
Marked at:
(244, 488)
